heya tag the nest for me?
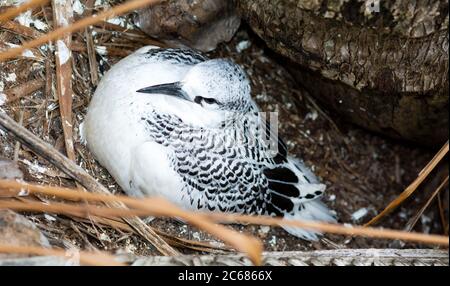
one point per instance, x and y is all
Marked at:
(48, 96)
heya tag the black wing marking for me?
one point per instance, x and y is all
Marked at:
(217, 177)
(182, 56)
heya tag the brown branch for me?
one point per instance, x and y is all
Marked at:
(19, 29)
(154, 207)
(413, 186)
(172, 240)
(413, 221)
(115, 52)
(22, 90)
(442, 215)
(80, 210)
(158, 207)
(55, 34)
(334, 228)
(48, 79)
(49, 153)
(32, 54)
(114, 27)
(90, 47)
(63, 16)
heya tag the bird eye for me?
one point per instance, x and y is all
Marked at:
(207, 100)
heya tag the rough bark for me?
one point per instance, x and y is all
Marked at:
(17, 230)
(200, 24)
(339, 257)
(386, 71)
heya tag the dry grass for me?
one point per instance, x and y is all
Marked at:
(85, 22)
(62, 15)
(15, 11)
(160, 207)
(413, 186)
(413, 221)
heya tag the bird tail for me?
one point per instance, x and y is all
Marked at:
(295, 194)
(309, 211)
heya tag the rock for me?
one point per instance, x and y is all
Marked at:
(9, 170)
(16, 229)
(199, 24)
(382, 66)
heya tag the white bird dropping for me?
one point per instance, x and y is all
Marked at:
(173, 123)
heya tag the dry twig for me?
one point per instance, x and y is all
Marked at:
(140, 207)
(14, 11)
(81, 176)
(90, 47)
(158, 207)
(110, 51)
(442, 215)
(413, 186)
(31, 54)
(55, 34)
(19, 29)
(413, 221)
(23, 90)
(172, 240)
(63, 16)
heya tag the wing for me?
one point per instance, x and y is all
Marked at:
(224, 169)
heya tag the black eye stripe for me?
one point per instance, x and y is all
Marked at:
(208, 100)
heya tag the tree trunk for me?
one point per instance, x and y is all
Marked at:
(200, 24)
(382, 67)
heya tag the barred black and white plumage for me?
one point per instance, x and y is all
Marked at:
(185, 127)
(175, 56)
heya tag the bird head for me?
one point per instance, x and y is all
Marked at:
(217, 84)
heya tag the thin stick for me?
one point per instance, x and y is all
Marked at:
(13, 12)
(334, 228)
(90, 47)
(98, 259)
(55, 34)
(22, 30)
(114, 52)
(22, 90)
(172, 240)
(32, 54)
(81, 176)
(241, 242)
(161, 208)
(154, 207)
(63, 15)
(413, 186)
(80, 210)
(442, 215)
(17, 146)
(413, 221)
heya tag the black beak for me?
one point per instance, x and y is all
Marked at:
(172, 89)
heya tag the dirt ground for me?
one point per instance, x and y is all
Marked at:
(363, 171)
